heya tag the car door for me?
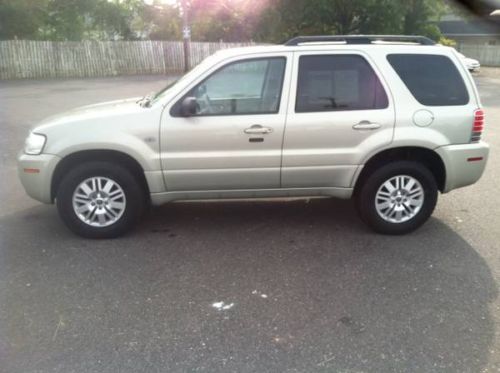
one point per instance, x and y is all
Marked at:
(340, 110)
(234, 139)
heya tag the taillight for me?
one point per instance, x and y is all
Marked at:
(477, 126)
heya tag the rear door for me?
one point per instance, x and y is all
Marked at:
(340, 109)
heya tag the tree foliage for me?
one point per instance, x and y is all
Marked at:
(287, 18)
(21, 18)
(158, 22)
(226, 20)
(213, 20)
(68, 19)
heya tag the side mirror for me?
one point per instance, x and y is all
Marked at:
(189, 106)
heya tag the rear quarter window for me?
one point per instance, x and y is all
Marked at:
(433, 80)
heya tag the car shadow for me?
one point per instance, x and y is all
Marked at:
(304, 285)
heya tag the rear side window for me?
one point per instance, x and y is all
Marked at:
(338, 82)
(432, 79)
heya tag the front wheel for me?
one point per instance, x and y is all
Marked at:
(397, 198)
(99, 200)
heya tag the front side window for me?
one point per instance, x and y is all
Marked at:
(432, 79)
(338, 82)
(243, 87)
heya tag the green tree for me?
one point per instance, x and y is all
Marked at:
(214, 20)
(21, 19)
(68, 19)
(89, 19)
(158, 22)
(227, 20)
(287, 18)
(421, 16)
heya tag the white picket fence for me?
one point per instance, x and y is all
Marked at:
(487, 55)
(20, 59)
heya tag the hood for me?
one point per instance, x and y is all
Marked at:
(100, 110)
(470, 60)
(467, 60)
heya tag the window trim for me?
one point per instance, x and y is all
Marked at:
(175, 108)
(464, 83)
(373, 69)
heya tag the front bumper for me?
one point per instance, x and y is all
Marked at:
(35, 173)
(464, 163)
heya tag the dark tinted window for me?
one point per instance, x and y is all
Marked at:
(432, 79)
(338, 82)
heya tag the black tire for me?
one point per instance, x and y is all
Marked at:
(134, 195)
(366, 194)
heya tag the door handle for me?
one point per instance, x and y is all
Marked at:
(257, 129)
(366, 125)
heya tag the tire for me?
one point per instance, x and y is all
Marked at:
(108, 196)
(388, 212)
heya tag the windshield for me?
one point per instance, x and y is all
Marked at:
(164, 89)
(197, 70)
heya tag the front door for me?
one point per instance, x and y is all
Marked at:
(234, 139)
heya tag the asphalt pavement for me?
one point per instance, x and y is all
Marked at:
(257, 286)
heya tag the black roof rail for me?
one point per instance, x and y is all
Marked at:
(359, 39)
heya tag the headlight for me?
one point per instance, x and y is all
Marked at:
(34, 144)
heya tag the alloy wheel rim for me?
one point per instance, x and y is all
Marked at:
(399, 199)
(99, 201)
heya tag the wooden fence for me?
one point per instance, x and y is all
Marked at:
(20, 59)
(487, 55)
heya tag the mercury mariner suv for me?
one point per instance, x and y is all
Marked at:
(386, 120)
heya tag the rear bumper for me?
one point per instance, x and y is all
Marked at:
(464, 163)
(35, 173)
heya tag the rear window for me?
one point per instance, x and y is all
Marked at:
(432, 79)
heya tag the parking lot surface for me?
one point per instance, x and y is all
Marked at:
(281, 286)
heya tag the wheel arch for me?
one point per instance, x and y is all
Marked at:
(426, 156)
(112, 156)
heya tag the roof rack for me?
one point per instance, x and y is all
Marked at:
(360, 39)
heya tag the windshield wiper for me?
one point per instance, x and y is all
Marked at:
(146, 100)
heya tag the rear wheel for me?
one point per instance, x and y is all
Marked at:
(397, 198)
(100, 200)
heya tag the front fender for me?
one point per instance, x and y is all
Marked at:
(135, 134)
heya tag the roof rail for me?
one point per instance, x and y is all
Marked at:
(360, 39)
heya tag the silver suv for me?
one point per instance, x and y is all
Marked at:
(388, 120)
